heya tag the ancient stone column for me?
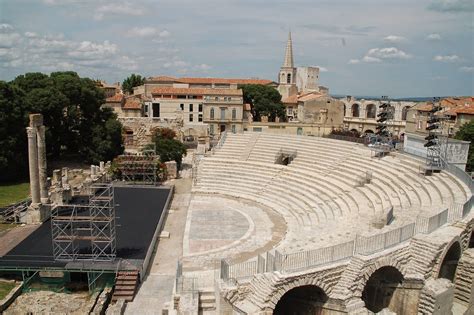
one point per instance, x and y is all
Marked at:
(43, 177)
(33, 165)
(57, 178)
(102, 166)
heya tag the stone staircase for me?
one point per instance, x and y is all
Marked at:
(465, 277)
(126, 284)
(249, 147)
(207, 301)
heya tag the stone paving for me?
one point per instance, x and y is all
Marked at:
(157, 287)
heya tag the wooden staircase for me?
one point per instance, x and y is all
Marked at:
(126, 284)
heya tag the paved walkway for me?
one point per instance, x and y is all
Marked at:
(157, 287)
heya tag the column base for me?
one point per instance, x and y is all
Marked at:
(37, 213)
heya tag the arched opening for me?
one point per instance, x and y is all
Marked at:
(370, 111)
(308, 299)
(355, 110)
(471, 240)
(212, 113)
(368, 131)
(450, 262)
(405, 112)
(288, 78)
(380, 289)
(344, 109)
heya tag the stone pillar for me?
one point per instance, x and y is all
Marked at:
(57, 178)
(93, 170)
(33, 165)
(43, 177)
(102, 166)
(65, 172)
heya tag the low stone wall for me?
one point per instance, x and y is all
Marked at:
(8, 300)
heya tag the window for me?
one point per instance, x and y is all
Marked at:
(288, 78)
(190, 107)
(233, 128)
(200, 117)
(420, 124)
(404, 112)
(222, 113)
(156, 109)
(146, 110)
(211, 129)
(181, 106)
(290, 110)
(200, 108)
(234, 114)
(370, 111)
(355, 110)
(212, 113)
(217, 98)
(190, 117)
(181, 96)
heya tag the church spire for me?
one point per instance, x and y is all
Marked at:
(288, 62)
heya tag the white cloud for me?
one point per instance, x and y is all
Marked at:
(387, 53)
(434, 36)
(447, 58)
(175, 64)
(371, 59)
(147, 32)
(376, 55)
(6, 27)
(394, 39)
(124, 8)
(322, 69)
(202, 66)
(467, 69)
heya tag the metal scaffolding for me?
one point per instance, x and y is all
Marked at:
(86, 232)
(140, 169)
(434, 162)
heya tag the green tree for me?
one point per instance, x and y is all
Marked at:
(75, 122)
(265, 101)
(13, 141)
(168, 148)
(132, 81)
(466, 133)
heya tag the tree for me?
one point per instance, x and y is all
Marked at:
(75, 122)
(466, 133)
(168, 148)
(132, 81)
(265, 101)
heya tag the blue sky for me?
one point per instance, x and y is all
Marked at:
(364, 47)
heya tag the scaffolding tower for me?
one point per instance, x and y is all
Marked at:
(434, 162)
(139, 169)
(86, 232)
(384, 117)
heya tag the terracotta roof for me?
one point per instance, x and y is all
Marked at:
(465, 110)
(309, 96)
(451, 105)
(293, 99)
(132, 103)
(224, 81)
(196, 91)
(162, 78)
(115, 99)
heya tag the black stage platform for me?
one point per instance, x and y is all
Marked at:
(137, 216)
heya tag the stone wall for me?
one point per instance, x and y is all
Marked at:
(418, 260)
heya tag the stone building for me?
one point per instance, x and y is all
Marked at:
(361, 115)
(457, 112)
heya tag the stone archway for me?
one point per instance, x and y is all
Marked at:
(382, 289)
(471, 240)
(450, 261)
(307, 299)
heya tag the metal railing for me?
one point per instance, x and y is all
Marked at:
(12, 212)
(361, 245)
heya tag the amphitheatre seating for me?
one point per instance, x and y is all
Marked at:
(323, 189)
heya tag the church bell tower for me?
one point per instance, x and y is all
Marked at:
(287, 76)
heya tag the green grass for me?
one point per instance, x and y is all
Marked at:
(11, 193)
(5, 288)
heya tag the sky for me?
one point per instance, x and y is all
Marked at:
(402, 48)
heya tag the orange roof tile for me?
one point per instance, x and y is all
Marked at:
(132, 103)
(293, 99)
(224, 81)
(115, 99)
(309, 96)
(196, 91)
(162, 78)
